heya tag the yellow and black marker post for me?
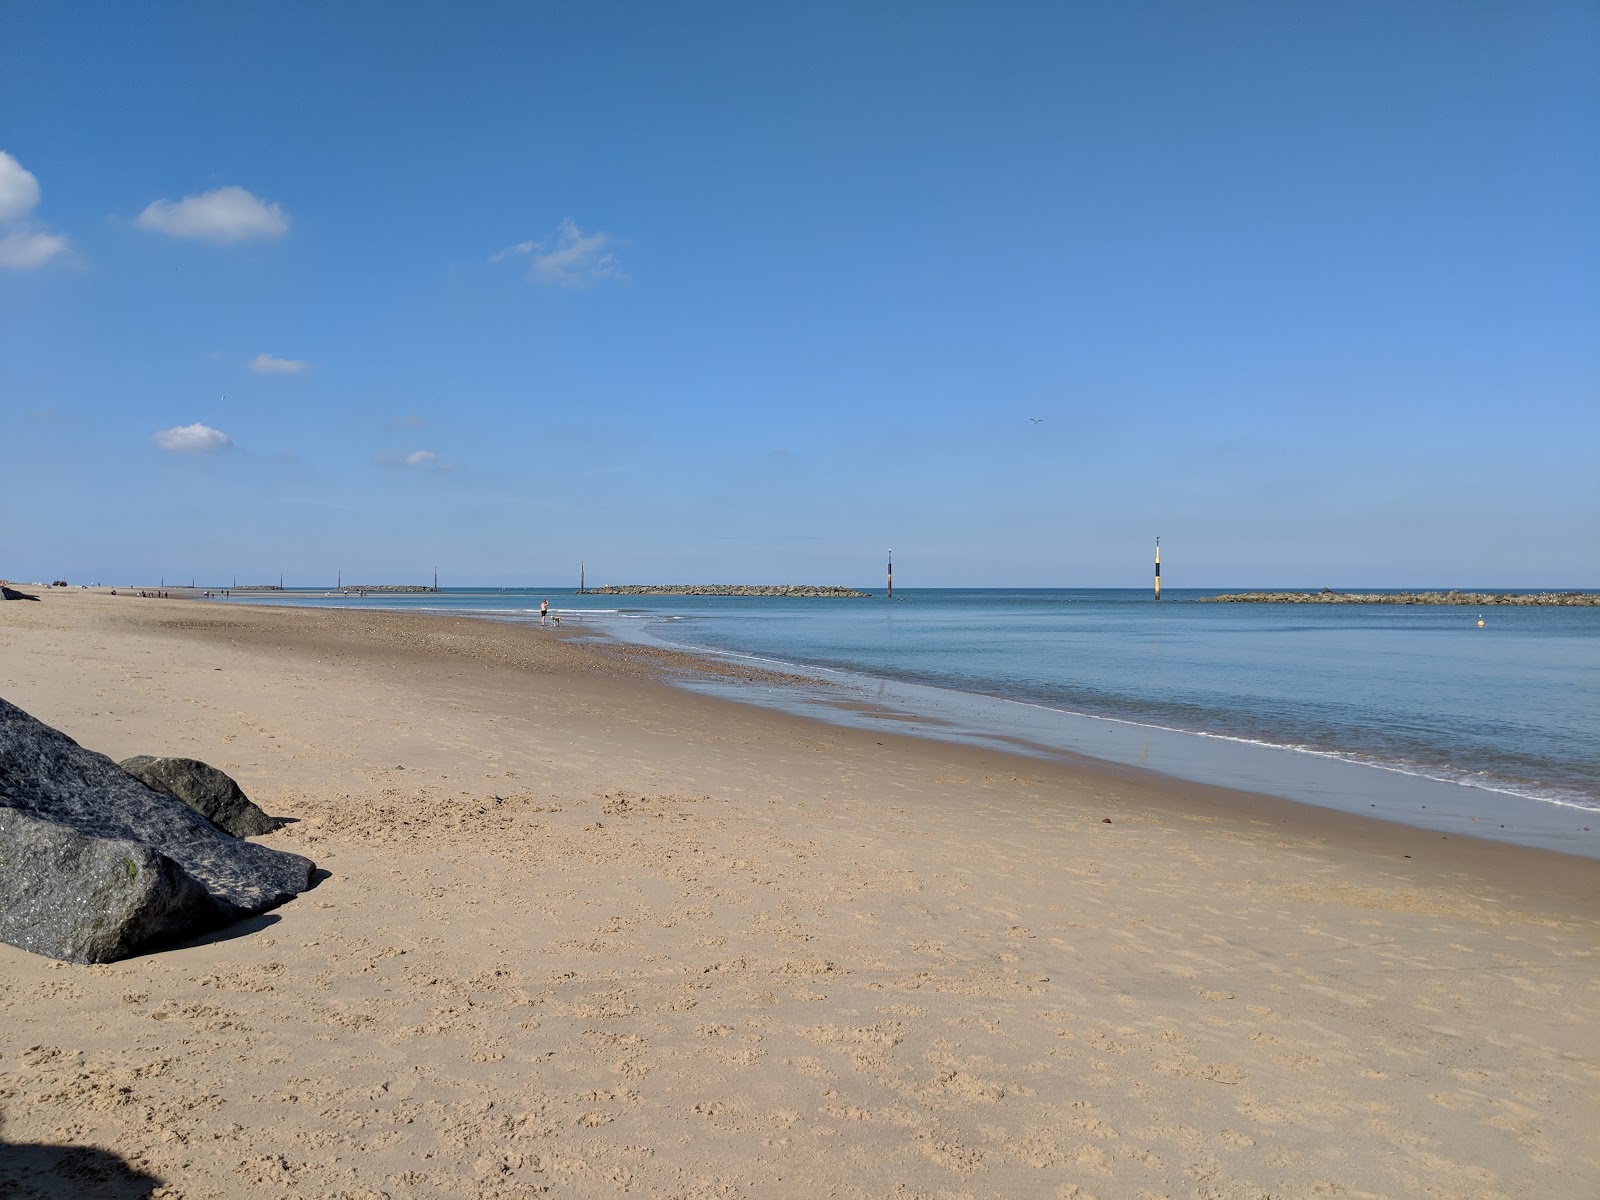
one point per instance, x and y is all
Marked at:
(1158, 568)
(891, 573)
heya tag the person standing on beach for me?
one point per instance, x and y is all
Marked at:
(544, 612)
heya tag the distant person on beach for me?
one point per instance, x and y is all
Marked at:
(544, 611)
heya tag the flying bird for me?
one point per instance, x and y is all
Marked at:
(1037, 420)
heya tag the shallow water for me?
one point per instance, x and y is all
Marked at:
(1357, 706)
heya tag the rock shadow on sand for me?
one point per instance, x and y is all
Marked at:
(31, 1171)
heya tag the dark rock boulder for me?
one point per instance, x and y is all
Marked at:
(90, 899)
(12, 594)
(205, 789)
(95, 866)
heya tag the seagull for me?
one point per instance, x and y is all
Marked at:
(1037, 420)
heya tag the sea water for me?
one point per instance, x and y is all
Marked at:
(1408, 712)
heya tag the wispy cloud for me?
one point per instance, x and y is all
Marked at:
(266, 364)
(519, 248)
(569, 258)
(23, 249)
(411, 458)
(191, 439)
(21, 245)
(225, 214)
(408, 421)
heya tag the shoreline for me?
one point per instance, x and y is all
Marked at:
(585, 931)
(1437, 797)
(1305, 776)
(677, 671)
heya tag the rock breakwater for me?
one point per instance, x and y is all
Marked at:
(1468, 599)
(362, 589)
(723, 589)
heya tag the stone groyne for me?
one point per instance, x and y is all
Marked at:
(349, 589)
(1468, 599)
(723, 589)
(363, 589)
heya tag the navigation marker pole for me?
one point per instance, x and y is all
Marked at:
(580, 576)
(436, 579)
(1158, 568)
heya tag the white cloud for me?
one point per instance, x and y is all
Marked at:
(22, 246)
(266, 364)
(22, 249)
(414, 458)
(571, 258)
(19, 190)
(519, 248)
(226, 214)
(191, 439)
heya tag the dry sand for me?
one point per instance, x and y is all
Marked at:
(587, 934)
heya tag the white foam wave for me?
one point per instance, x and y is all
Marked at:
(1459, 777)
(1448, 775)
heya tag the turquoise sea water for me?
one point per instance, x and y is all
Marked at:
(1384, 709)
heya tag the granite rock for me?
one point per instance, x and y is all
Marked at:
(95, 866)
(210, 792)
(71, 896)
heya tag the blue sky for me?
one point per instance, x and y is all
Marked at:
(748, 293)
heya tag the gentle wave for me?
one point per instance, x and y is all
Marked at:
(1294, 682)
(1446, 775)
(1472, 779)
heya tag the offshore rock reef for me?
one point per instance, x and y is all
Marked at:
(361, 589)
(348, 589)
(722, 589)
(1469, 599)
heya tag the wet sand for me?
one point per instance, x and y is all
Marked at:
(588, 934)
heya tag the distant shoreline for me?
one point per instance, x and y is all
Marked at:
(1469, 599)
(1550, 598)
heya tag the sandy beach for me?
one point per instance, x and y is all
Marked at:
(588, 934)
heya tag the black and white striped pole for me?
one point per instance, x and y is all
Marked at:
(891, 573)
(1158, 568)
